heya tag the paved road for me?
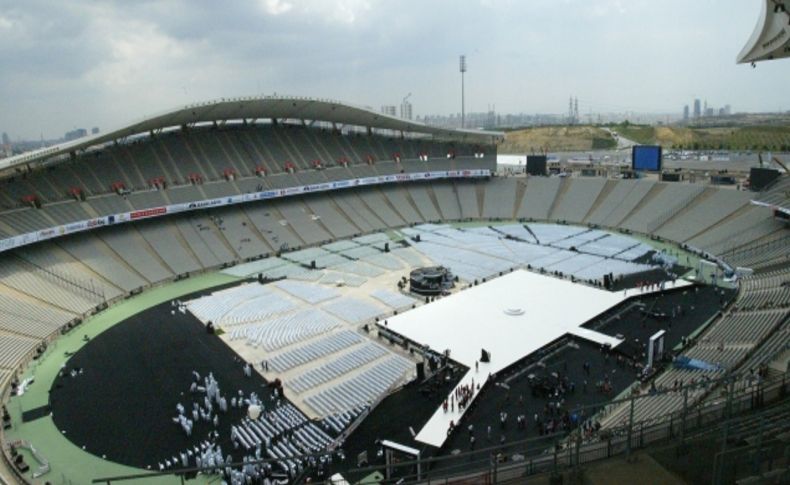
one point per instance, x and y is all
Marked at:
(622, 142)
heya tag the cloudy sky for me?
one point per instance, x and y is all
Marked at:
(81, 63)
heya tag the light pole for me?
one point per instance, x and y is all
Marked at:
(462, 68)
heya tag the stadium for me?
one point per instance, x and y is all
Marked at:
(224, 292)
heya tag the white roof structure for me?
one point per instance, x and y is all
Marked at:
(771, 37)
(255, 108)
(511, 317)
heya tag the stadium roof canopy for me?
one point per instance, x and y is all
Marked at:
(253, 108)
(771, 37)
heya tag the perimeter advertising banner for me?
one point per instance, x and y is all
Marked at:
(79, 226)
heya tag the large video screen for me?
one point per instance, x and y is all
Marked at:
(646, 157)
(536, 164)
(760, 178)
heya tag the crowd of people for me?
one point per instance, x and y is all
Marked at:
(461, 397)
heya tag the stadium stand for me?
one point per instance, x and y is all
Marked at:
(303, 319)
(636, 193)
(538, 198)
(715, 206)
(578, 198)
(500, 196)
(666, 199)
(742, 339)
(132, 248)
(424, 203)
(737, 230)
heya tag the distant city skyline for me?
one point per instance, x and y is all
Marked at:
(486, 119)
(83, 63)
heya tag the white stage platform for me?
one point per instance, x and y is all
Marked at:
(511, 317)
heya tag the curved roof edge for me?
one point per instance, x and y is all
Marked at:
(771, 36)
(266, 107)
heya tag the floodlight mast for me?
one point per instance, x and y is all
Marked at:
(462, 68)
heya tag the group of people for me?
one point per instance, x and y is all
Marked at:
(461, 397)
(651, 286)
(555, 387)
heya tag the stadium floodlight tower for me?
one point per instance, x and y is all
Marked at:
(462, 68)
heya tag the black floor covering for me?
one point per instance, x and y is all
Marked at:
(692, 306)
(36, 413)
(133, 375)
(411, 406)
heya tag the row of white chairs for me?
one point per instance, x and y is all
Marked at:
(393, 299)
(314, 350)
(353, 310)
(285, 330)
(307, 292)
(361, 389)
(340, 366)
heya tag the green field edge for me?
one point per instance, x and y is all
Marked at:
(68, 462)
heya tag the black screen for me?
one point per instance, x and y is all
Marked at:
(536, 164)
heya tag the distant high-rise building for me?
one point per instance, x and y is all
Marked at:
(686, 113)
(727, 110)
(405, 110)
(491, 117)
(573, 110)
(95, 130)
(697, 108)
(390, 110)
(74, 134)
(6, 140)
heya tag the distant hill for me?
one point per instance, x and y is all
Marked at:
(582, 138)
(773, 138)
(556, 139)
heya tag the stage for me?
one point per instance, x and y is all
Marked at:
(511, 317)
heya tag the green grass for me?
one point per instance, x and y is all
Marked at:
(69, 463)
(643, 134)
(741, 138)
(603, 143)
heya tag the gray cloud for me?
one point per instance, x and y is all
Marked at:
(86, 63)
